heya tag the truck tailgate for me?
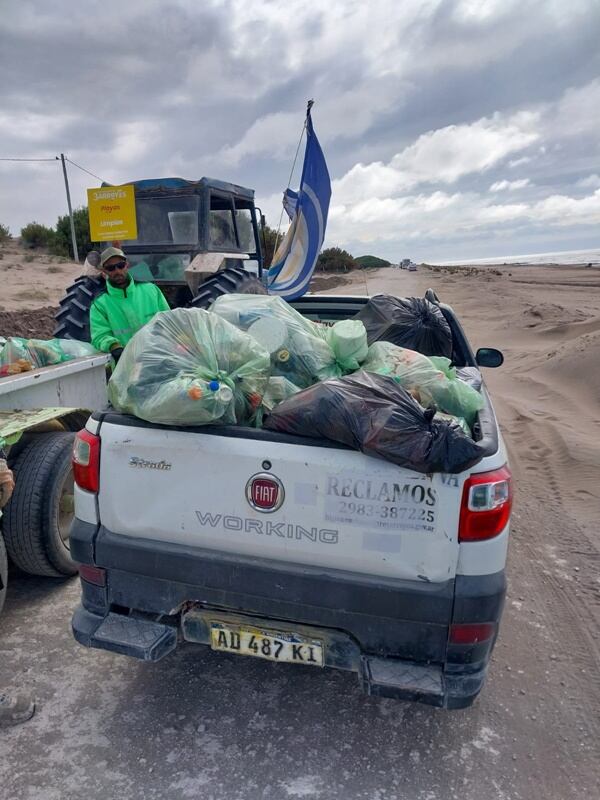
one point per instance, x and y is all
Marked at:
(338, 509)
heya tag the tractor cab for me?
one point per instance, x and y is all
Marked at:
(188, 230)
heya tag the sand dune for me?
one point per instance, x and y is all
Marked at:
(576, 362)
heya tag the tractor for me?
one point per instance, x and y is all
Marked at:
(197, 240)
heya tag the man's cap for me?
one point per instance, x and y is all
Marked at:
(110, 252)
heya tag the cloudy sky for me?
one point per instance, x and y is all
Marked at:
(452, 128)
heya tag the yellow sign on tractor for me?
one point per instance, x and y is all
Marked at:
(112, 213)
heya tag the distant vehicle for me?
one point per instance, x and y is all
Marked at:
(412, 267)
(406, 263)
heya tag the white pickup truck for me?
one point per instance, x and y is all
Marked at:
(294, 549)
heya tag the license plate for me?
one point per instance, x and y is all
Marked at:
(285, 647)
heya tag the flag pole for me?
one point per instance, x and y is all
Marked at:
(309, 105)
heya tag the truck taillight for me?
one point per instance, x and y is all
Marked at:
(471, 632)
(86, 461)
(95, 575)
(486, 505)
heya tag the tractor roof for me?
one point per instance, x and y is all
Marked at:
(168, 184)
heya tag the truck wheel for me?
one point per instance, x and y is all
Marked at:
(232, 280)
(73, 316)
(3, 573)
(38, 517)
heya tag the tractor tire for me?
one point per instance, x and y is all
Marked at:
(38, 517)
(3, 572)
(232, 280)
(73, 317)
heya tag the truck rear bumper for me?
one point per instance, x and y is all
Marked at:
(392, 633)
(149, 640)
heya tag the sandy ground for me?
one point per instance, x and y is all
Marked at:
(205, 725)
(30, 278)
(32, 283)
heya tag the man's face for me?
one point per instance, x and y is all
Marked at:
(116, 271)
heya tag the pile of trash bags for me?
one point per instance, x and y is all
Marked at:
(254, 360)
(376, 415)
(22, 355)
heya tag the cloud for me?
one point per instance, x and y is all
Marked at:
(562, 211)
(478, 10)
(510, 186)
(573, 115)
(449, 153)
(32, 127)
(441, 156)
(277, 134)
(591, 182)
(519, 162)
(134, 140)
(272, 134)
(377, 201)
(429, 216)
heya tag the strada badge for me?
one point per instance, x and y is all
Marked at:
(141, 463)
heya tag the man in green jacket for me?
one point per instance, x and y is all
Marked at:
(126, 306)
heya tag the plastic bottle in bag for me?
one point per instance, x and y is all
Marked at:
(298, 350)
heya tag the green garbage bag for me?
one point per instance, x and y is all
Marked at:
(190, 367)
(348, 340)
(428, 384)
(278, 389)
(444, 365)
(299, 351)
(71, 348)
(43, 352)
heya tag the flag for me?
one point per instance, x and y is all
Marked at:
(290, 201)
(295, 259)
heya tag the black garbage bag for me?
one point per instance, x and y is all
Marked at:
(373, 413)
(470, 375)
(411, 322)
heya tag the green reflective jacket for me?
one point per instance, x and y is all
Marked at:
(119, 313)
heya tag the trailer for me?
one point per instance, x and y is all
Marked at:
(40, 412)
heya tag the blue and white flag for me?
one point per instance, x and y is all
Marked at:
(290, 201)
(295, 259)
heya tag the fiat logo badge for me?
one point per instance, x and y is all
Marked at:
(265, 492)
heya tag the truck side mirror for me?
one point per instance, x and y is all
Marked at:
(489, 357)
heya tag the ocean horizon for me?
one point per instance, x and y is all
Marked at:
(556, 257)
